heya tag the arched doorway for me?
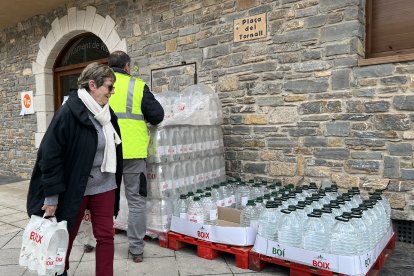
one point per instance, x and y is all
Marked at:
(75, 56)
(62, 30)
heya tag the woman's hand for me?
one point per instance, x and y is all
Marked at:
(49, 210)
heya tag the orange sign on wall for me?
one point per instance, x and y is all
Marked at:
(26, 98)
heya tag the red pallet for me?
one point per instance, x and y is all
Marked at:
(258, 262)
(210, 250)
(152, 234)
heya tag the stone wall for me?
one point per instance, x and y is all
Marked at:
(295, 103)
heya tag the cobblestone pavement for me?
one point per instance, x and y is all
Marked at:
(157, 260)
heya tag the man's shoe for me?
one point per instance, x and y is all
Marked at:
(137, 258)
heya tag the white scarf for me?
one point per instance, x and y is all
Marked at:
(103, 116)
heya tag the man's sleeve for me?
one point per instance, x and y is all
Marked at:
(151, 108)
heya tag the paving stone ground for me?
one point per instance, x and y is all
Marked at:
(157, 260)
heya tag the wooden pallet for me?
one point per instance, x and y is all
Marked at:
(258, 262)
(210, 250)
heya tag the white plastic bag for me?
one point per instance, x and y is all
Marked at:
(44, 246)
(85, 233)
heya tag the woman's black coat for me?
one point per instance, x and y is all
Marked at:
(64, 161)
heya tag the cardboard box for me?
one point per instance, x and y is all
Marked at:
(228, 230)
(349, 265)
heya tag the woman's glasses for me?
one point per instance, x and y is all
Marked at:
(110, 87)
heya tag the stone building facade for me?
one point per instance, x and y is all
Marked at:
(295, 103)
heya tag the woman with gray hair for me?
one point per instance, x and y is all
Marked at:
(79, 164)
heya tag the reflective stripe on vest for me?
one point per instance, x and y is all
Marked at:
(130, 96)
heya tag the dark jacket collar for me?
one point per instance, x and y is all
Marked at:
(78, 108)
(119, 70)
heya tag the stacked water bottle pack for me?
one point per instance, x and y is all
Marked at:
(185, 152)
(321, 220)
(201, 206)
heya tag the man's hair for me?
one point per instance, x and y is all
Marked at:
(96, 72)
(118, 59)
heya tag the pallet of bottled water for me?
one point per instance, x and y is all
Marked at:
(344, 233)
(196, 105)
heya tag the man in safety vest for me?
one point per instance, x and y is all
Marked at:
(134, 105)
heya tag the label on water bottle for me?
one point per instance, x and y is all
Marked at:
(190, 148)
(229, 201)
(209, 175)
(200, 177)
(213, 214)
(179, 149)
(163, 186)
(244, 200)
(50, 262)
(216, 144)
(172, 150)
(184, 148)
(254, 223)
(190, 180)
(220, 203)
(197, 218)
(60, 256)
(161, 150)
(183, 215)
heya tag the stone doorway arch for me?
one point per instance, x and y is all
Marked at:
(63, 29)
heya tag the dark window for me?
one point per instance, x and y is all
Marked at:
(389, 28)
(75, 56)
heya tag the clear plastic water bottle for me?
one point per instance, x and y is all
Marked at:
(376, 223)
(289, 229)
(178, 178)
(196, 211)
(370, 225)
(189, 178)
(385, 203)
(292, 198)
(266, 198)
(249, 216)
(376, 200)
(255, 191)
(328, 219)
(315, 235)
(159, 213)
(160, 180)
(190, 197)
(210, 209)
(357, 194)
(343, 237)
(198, 142)
(217, 196)
(336, 209)
(225, 194)
(242, 195)
(259, 205)
(313, 188)
(360, 226)
(278, 185)
(199, 173)
(306, 191)
(268, 220)
(180, 209)
(300, 210)
(232, 195)
(285, 202)
(348, 202)
(208, 172)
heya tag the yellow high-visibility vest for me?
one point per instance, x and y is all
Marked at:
(126, 103)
